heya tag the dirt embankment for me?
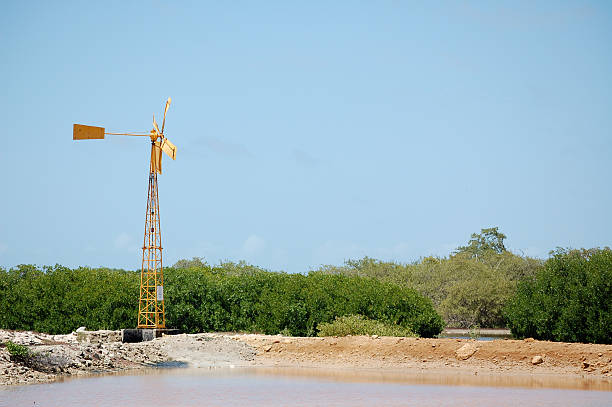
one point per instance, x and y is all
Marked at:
(526, 356)
(64, 355)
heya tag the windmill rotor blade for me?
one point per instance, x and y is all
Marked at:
(82, 132)
(155, 125)
(168, 148)
(166, 111)
(152, 166)
(156, 158)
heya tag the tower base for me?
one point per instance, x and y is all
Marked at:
(145, 334)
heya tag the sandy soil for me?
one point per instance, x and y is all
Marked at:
(499, 359)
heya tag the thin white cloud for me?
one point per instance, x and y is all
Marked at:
(125, 242)
(208, 250)
(397, 251)
(304, 159)
(226, 148)
(253, 245)
(335, 252)
(122, 241)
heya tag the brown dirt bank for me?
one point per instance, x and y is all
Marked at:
(584, 365)
(505, 357)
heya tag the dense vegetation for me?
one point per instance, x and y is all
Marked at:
(360, 325)
(59, 300)
(469, 288)
(569, 300)
(481, 284)
(227, 297)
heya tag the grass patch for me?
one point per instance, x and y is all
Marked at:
(360, 325)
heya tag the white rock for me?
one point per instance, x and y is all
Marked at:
(466, 351)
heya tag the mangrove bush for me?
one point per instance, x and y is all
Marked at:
(569, 300)
(200, 297)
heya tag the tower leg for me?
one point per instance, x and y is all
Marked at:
(151, 312)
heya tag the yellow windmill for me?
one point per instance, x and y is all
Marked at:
(151, 311)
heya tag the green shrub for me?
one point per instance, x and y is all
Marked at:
(360, 325)
(474, 332)
(18, 352)
(569, 300)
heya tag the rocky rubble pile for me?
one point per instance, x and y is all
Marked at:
(86, 352)
(103, 336)
(35, 338)
(55, 355)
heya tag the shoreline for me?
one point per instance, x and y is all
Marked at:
(454, 361)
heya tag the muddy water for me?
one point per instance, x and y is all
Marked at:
(302, 387)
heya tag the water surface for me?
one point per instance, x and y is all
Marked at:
(282, 387)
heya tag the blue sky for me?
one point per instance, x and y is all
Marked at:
(307, 134)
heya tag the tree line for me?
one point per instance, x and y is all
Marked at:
(225, 297)
(482, 284)
(567, 297)
(470, 287)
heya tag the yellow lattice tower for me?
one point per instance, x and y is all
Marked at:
(151, 305)
(151, 311)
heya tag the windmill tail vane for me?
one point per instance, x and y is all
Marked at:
(151, 309)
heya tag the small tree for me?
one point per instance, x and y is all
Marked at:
(489, 240)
